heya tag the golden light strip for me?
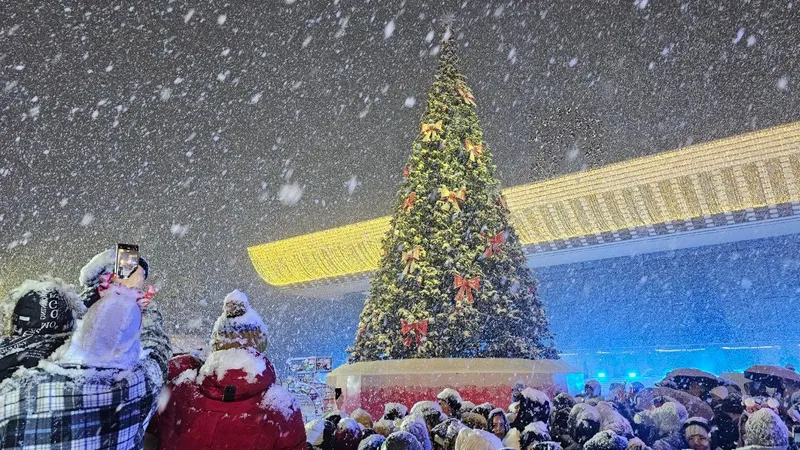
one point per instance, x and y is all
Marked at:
(746, 171)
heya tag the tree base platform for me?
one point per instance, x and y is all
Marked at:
(370, 385)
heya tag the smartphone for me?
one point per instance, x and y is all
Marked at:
(127, 260)
(337, 392)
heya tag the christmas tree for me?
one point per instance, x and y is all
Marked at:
(453, 281)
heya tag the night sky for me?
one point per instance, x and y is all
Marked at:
(199, 129)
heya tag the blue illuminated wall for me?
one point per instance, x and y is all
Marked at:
(704, 307)
(640, 316)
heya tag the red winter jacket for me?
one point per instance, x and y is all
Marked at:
(196, 416)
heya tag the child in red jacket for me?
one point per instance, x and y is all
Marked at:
(231, 400)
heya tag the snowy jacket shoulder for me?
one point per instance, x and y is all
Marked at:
(674, 441)
(230, 401)
(68, 406)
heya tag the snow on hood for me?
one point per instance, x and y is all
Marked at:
(99, 264)
(427, 407)
(539, 429)
(315, 431)
(669, 417)
(279, 399)
(583, 412)
(536, 396)
(450, 395)
(611, 419)
(371, 442)
(109, 334)
(220, 362)
(765, 428)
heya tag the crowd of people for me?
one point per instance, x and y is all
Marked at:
(95, 370)
(630, 418)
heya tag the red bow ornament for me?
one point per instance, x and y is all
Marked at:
(494, 244)
(465, 287)
(413, 330)
(467, 96)
(409, 201)
(143, 301)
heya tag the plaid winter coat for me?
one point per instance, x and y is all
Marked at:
(59, 406)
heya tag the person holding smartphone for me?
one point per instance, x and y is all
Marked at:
(100, 390)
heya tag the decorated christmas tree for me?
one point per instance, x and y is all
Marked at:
(452, 281)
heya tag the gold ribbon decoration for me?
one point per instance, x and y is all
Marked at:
(430, 131)
(467, 96)
(475, 151)
(410, 259)
(453, 198)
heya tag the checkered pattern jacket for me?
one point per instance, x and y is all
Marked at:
(67, 407)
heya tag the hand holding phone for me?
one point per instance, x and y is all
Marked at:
(126, 260)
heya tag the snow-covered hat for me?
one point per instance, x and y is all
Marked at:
(606, 440)
(239, 326)
(445, 433)
(415, 425)
(394, 411)
(584, 421)
(108, 336)
(42, 306)
(474, 420)
(452, 398)
(669, 417)
(764, 428)
(594, 387)
(533, 433)
(384, 427)
(401, 440)
(611, 419)
(469, 439)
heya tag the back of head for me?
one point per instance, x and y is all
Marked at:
(469, 439)
(431, 411)
(584, 422)
(563, 401)
(475, 421)
(444, 435)
(43, 306)
(319, 433)
(372, 442)
(108, 336)
(394, 411)
(452, 398)
(348, 435)
(384, 427)
(764, 428)
(401, 440)
(415, 425)
(362, 417)
(606, 440)
(592, 388)
(534, 406)
(669, 418)
(532, 434)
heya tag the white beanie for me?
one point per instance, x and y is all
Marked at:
(108, 336)
(469, 439)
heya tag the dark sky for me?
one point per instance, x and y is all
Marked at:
(176, 124)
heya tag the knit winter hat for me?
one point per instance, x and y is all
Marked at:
(452, 398)
(239, 326)
(766, 429)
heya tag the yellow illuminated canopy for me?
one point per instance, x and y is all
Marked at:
(739, 173)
